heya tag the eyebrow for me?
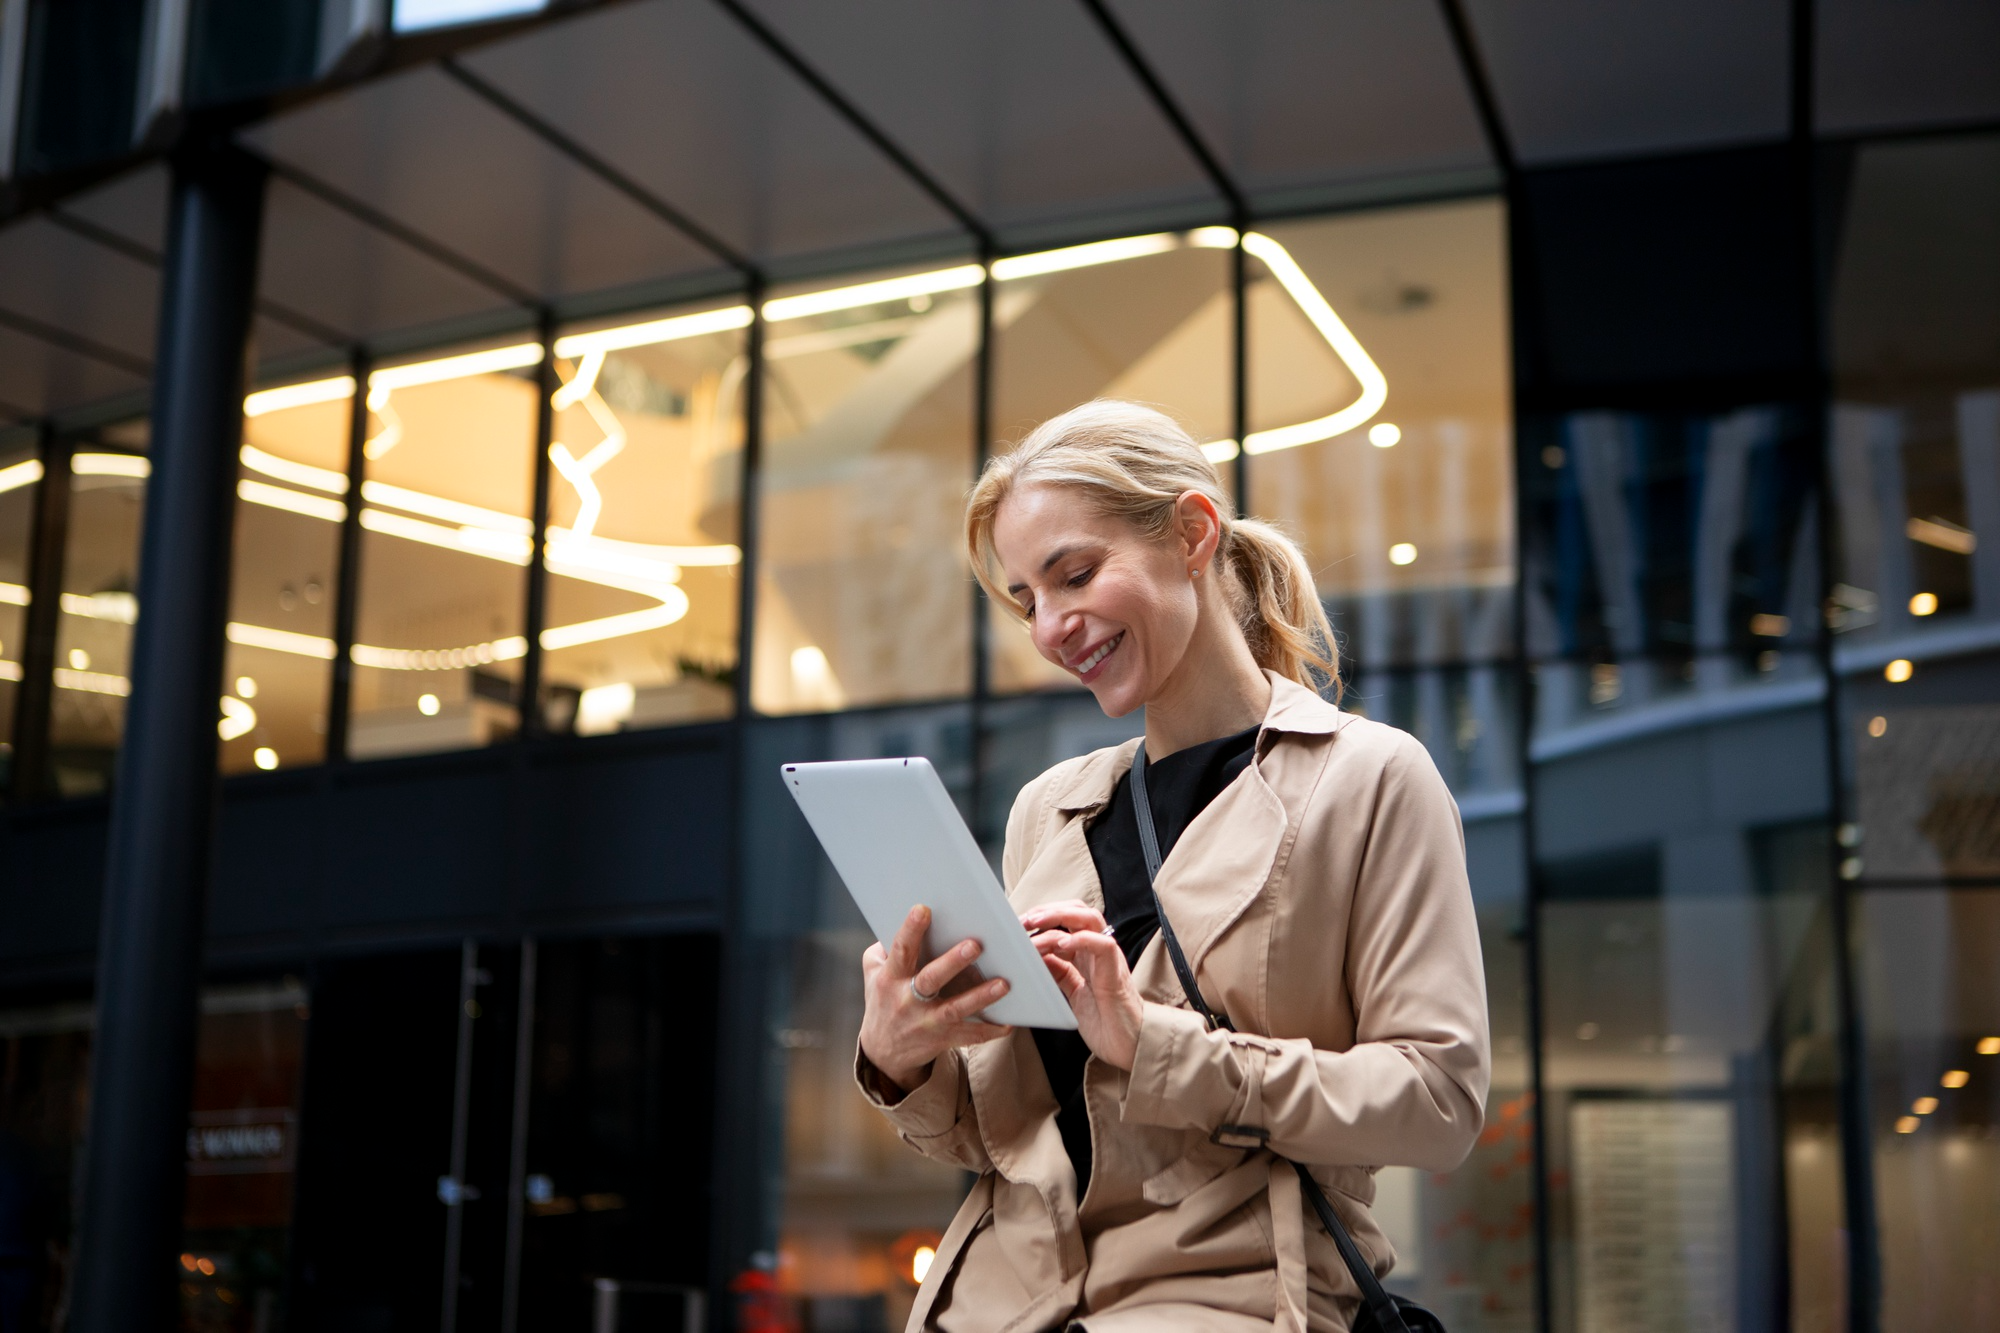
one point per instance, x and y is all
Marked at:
(1048, 564)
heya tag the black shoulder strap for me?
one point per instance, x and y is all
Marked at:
(1388, 1318)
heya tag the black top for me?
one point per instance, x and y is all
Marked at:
(1179, 787)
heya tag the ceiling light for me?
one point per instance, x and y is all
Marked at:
(1924, 1105)
(279, 640)
(265, 758)
(246, 688)
(79, 660)
(874, 293)
(1767, 626)
(437, 506)
(110, 465)
(1221, 451)
(920, 1263)
(417, 15)
(1898, 671)
(428, 705)
(1907, 1124)
(673, 606)
(1385, 434)
(654, 331)
(1943, 534)
(92, 682)
(297, 502)
(239, 719)
(17, 475)
(1924, 604)
(1213, 238)
(266, 401)
(10, 670)
(15, 594)
(120, 607)
(1878, 726)
(516, 357)
(1084, 256)
(1402, 553)
(1374, 387)
(1988, 1046)
(299, 474)
(1955, 1078)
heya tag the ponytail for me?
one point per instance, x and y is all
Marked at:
(1136, 463)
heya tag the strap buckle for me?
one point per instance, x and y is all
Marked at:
(1248, 1138)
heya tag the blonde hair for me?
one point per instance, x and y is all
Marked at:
(1135, 464)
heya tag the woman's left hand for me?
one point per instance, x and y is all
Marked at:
(1075, 941)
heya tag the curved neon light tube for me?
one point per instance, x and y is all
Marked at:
(1374, 385)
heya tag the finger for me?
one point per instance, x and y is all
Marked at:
(1068, 980)
(906, 950)
(937, 973)
(873, 956)
(1088, 950)
(961, 1007)
(1065, 916)
(1051, 941)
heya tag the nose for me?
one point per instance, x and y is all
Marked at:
(1053, 631)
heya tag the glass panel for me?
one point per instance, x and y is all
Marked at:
(278, 663)
(20, 472)
(852, 1208)
(862, 596)
(1406, 511)
(642, 553)
(99, 607)
(444, 549)
(1689, 1019)
(1147, 318)
(1916, 418)
(242, 1147)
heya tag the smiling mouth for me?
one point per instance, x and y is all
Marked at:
(1103, 650)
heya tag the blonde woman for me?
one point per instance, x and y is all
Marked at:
(1137, 1174)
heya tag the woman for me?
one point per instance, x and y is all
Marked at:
(1133, 1175)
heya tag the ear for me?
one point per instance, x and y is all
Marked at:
(1200, 526)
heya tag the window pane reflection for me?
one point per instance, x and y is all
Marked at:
(444, 549)
(642, 554)
(99, 607)
(1408, 517)
(279, 654)
(1689, 1024)
(1155, 328)
(862, 594)
(20, 467)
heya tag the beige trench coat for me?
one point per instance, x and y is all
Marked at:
(1322, 901)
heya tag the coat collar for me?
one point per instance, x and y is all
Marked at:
(1293, 708)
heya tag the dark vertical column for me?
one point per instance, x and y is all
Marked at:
(750, 512)
(982, 447)
(29, 778)
(532, 721)
(163, 805)
(347, 594)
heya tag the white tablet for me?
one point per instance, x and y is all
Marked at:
(891, 831)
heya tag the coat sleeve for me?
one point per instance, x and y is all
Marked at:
(1411, 1090)
(937, 1117)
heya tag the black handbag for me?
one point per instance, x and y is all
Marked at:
(1380, 1312)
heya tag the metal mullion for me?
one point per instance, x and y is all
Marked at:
(347, 594)
(453, 1187)
(749, 504)
(517, 1162)
(48, 544)
(982, 444)
(536, 609)
(1479, 82)
(1239, 406)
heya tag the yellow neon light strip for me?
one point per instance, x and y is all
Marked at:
(654, 331)
(444, 368)
(20, 474)
(299, 395)
(875, 293)
(110, 465)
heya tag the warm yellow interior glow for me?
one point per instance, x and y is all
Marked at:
(1924, 604)
(1898, 671)
(1907, 1124)
(1955, 1078)
(1988, 1046)
(17, 475)
(110, 465)
(874, 293)
(1924, 1105)
(920, 1263)
(298, 395)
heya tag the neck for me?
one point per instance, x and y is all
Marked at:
(1217, 689)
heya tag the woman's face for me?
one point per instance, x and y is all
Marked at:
(1112, 608)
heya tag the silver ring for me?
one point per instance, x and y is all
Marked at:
(927, 999)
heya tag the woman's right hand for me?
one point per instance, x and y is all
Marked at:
(902, 1033)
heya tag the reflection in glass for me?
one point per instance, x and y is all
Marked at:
(1915, 431)
(1147, 319)
(862, 595)
(857, 1208)
(446, 535)
(279, 657)
(241, 1149)
(1672, 567)
(1689, 1025)
(99, 608)
(642, 555)
(20, 472)
(1407, 513)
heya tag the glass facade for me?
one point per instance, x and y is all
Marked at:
(1710, 674)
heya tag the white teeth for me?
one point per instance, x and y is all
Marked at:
(1085, 667)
